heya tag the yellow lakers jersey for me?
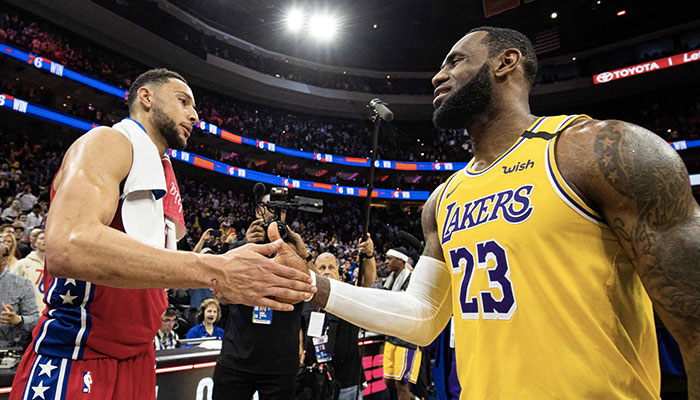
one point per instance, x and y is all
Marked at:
(546, 304)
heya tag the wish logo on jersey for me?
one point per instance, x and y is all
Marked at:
(514, 206)
(520, 166)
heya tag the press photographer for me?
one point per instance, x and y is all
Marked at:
(261, 349)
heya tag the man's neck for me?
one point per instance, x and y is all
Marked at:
(492, 135)
(151, 131)
(40, 254)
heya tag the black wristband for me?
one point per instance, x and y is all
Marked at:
(309, 257)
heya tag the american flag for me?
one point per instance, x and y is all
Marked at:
(547, 41)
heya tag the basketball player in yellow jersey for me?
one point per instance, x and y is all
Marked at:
(549, 249)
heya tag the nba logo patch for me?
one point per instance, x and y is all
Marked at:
(87, 382)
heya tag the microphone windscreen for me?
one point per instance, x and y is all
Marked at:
(384, 112)
(410, 240)
(259, 190)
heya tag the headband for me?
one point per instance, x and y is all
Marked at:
(397, 254)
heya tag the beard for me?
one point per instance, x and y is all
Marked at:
(467, 104)
(169, 129)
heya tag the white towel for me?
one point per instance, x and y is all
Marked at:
(144, 188)
(393, 283)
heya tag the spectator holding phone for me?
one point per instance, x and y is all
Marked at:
(211, 238)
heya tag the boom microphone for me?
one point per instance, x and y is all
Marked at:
(381, 109)
(259, 190)
(410, 241)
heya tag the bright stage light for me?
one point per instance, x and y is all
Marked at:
(294, 20)
(323, 27)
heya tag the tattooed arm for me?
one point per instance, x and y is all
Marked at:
(641, 186)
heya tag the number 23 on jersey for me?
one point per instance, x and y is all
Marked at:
(496, 303)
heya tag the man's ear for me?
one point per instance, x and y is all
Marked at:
(508, 62)
(145, 97)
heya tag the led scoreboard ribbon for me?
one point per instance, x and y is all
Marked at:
(62, 71)
(36, 111)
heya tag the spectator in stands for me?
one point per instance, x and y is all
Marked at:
(5, 189)
(167, 338)
(11, 213)
(5, 169)
(32, 237)
(209, 313)
(32, 268)
(7, 228)
(8, 239)
(19, 312)
(208, 240)
(26, 198)
(339, 336)
(22, 238)
(23, 219)
(35, 219)
(18, 229)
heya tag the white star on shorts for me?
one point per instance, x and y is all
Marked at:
(39, 390)
(67, 298)
(47, 368)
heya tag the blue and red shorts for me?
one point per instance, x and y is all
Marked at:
(45, 377)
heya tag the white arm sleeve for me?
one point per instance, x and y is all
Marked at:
(417, 315)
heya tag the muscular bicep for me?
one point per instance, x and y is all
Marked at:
(87, 186)
(429, 225)
(642, 189)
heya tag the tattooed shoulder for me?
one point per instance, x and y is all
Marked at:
(642, 167)
(650, 207)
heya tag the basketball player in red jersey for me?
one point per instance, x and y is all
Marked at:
(106, 269)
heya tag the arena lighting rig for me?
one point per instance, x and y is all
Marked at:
(322, 26)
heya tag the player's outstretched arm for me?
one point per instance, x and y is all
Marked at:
(642, 188)
(417, 315)
(81, 245)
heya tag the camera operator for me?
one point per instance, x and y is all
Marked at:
(260, 349)
(337, 337)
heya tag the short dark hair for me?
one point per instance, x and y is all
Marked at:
(170, 312)
(156, 76)
(500, 39)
